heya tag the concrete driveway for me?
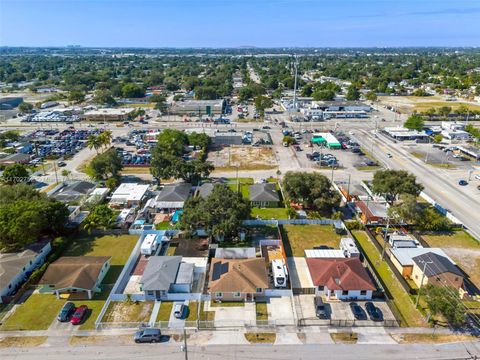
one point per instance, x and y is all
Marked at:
(233, 316)
(173, 322)
(280, 310)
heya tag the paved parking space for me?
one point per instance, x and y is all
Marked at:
(307, 307)
(173, 322)
(280, 309)
(230, 316)
(341, 310)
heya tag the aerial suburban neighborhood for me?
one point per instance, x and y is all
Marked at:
(272, 199)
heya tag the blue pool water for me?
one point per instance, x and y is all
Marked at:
(176, 216)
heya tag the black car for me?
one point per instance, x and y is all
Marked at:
(67, 310)
(358, 312)
(149, 335)
(373, 311)
(62, 164)
(320, 309)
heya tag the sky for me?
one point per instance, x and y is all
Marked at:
(234, 23)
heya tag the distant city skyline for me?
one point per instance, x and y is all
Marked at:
(256, 23)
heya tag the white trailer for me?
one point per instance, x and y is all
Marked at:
(149, 245)
(349, 247)
(280, 273)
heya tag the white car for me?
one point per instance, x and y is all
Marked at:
(477, 177)
(389, 155)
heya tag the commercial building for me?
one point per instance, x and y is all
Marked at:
(199, 107)
(18, 158)
(327, 139)
(120, 114)
(400, 133)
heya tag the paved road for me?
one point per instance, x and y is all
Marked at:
(439, 184)
(244, 352)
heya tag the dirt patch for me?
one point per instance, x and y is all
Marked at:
(344, 337)
(243, 157)
(468, 260)
(431, 338)
(128, 312)
(98, 339)
(22, 341)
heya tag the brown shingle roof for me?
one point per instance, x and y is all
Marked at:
(237, 275)
(74, 272)
(339, 274)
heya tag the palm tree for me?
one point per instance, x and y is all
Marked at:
(66, 173)
(105, 138)
(94, 142)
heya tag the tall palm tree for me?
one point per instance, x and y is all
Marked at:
(94, 142)
(105, 138)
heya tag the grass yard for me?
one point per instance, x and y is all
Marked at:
(165, 311)
(164, 225)
(206, 315)
(344, 337)
(261, 310)
(300, 237)
(454, 239)
(128, 170)
(124, 311)
(414, 338)
(171, 249)
(269, 213)
(401, 300)
(22, 341)
(118, 247)
(192, 311)
(422, 106)
(227, 304)
(244, 189)
(261, 338)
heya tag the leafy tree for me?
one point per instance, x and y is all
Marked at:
(111, 183)
(432, 220)
(104, 166)
(104, 97)
(76, 96)
(414, 122)
(131, 90)
(352, 93)
(105, 138)
(261, 103)
(392, 183)
(8, 136)
(444, 111)
(419, 92)
(220, 214)
(289, 140)
(372, 96)
(323, 95)
(438, 138)
(444, 300)
(311, 190)
(100, 217)
(407, 210)
(15, 173)
(25, 107)
(65, 173)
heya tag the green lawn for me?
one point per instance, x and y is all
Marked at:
(300, 237)
(454, 239)
(269, 213)
(165, 311)
(227, 304)
(261, 310)
(164, 225)
(192, 311)
(244, 189)
(118, 247)
(206, 315)
(400, 297)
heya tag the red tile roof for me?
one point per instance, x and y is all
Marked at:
(339, 274)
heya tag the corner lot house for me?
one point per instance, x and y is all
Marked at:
(340, 279)
(128, 195)
(439, 270)
(237, 279)
(15, 268)
(75, 275)
(264, 195)
(166, 275)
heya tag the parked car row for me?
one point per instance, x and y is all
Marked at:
(374, 313)
(69, 313)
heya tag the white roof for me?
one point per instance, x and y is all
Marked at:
(324, 253)
(129, 192)
(99, 191)
(108, 111)
(405, 255)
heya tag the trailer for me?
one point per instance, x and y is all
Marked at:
(149, 245)
(280, 273)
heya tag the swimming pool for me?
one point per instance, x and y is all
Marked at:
(176, 216)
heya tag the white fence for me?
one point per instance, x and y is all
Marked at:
(441, 209)
(259, 222)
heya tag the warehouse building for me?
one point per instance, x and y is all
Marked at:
(120, 114)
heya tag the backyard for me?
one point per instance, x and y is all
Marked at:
(126, 311)
(401, 300)
(297, 238)
(118, 247)
(269, 213)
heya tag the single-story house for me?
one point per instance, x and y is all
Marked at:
(128, 195)
(264, 195)
(73, 191)
(172, 197)
(165, 275)
(97, 195)
(17, 158)
(235, 253)
(340, 278)
(402, 258)
(205, 190)
(435, 269)
(15, 268)
(75, 275)
(237, 279)
(372, 212)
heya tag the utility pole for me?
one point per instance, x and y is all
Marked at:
(295, 64)
(421, 282)
(185, 349)
(385, 238)
(55, 169)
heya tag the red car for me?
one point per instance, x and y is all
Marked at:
(79, 315)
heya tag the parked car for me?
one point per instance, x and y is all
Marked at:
(62, 164)
(477, 177)
(357, 311)
(67, 310)
(320, 310)
(149, 335)
(178, 310)
(463, 182)
(373, 311)
(79, 315)
(389, 155)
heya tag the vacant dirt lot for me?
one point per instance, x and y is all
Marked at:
(245, 157)
(128, 312)
(407, 104)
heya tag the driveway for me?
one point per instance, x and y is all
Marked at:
(173, 322)
(233, 316)
(280, 310)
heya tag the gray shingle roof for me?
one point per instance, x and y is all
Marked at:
(160, 272)
(205, 190)
(174, 192)
(263, 192)
(436, 264)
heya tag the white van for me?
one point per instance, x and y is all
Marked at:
(149, 245)
(280, 273)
